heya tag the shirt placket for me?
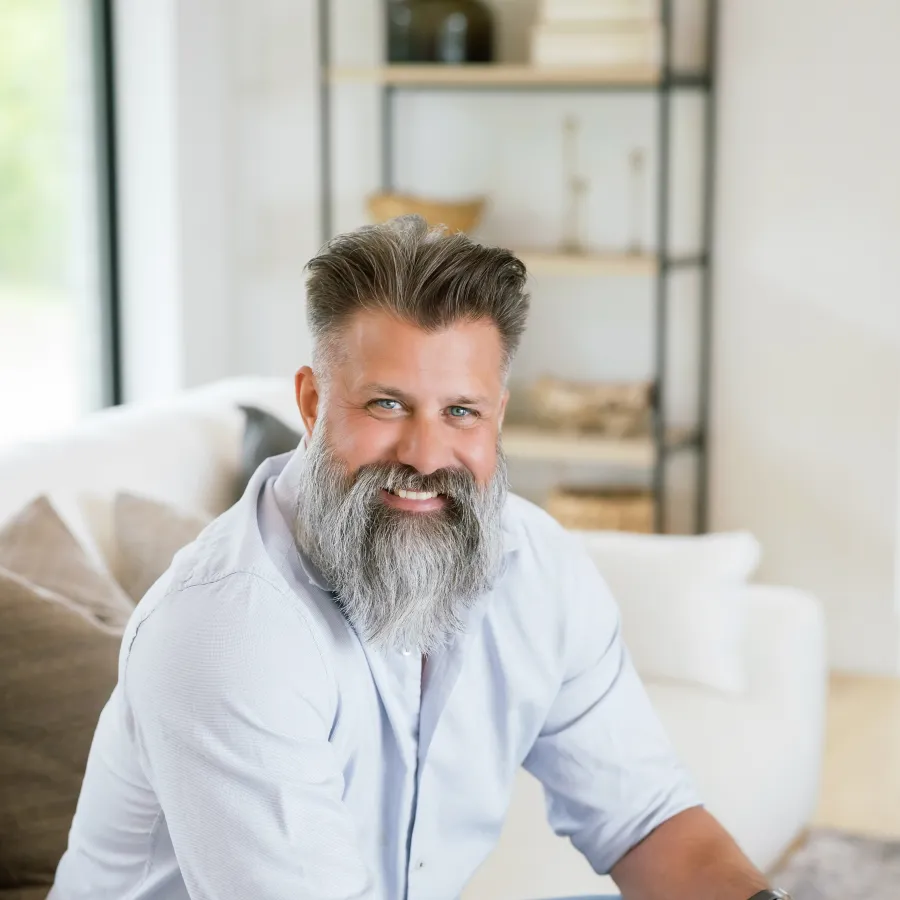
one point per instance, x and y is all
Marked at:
(410, 669)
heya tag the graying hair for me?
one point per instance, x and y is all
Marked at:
(423, 275)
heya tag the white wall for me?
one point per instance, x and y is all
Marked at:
(805, 429)
(274, 180)
(176, 207)
(807, 337)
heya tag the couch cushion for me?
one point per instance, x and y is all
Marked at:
(149, 534)
(682, 602)
(57, 670)
(38, 545)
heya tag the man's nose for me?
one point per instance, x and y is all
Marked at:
(423, 445)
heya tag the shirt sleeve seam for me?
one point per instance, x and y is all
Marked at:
(205, 583)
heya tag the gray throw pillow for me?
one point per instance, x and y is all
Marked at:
(265, 435)
(149, 534)
(58, 668)
(38, 545)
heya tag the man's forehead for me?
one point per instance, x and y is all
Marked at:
(378, 349)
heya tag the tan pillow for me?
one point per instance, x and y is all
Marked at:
(37, 545)
(57, 670)
(149, 534)
(27, 893)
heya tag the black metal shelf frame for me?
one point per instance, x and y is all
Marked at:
(102, 34)
(668, 82)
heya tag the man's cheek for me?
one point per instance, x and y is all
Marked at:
(363, 442)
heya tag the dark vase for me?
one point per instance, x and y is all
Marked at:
(439, 31)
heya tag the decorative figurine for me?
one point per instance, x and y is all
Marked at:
(637, 165)
(576, 187)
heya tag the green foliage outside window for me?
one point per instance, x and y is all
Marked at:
(33, 158)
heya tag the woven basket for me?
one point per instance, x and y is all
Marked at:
(602, 509)
(617, 410)
(461, 216)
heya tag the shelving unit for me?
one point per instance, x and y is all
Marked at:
(514, 76)
(497, 74)
(532, 442)
(549, 262)
(525, 441)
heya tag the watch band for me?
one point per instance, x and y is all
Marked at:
(771, 895)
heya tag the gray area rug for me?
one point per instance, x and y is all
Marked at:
(834, 865)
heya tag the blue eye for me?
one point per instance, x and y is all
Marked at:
(386, 403)
(459, 412)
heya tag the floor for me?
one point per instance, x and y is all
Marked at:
(861, 780)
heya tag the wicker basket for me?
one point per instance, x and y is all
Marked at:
(617, 410)
(462, 216)
(602, 509)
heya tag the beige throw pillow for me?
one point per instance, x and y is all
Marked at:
(57, 670)
(149, 534)
(37, 545)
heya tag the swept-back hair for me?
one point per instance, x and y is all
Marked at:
(422, 275)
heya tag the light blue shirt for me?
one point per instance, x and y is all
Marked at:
(254, 747)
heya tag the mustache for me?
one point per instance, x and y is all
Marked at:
(454, 483)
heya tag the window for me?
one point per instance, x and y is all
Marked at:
(57, 322)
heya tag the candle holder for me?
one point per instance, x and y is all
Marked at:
(637, 164)
(576, 187)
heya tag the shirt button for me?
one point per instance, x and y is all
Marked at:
(406, 652)
(420, 864)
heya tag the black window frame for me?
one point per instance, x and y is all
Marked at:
(102, 34)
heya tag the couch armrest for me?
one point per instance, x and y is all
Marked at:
(757, 756)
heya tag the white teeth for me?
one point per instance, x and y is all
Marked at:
(415, 495)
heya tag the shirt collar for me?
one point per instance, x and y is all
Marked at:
(285, 490)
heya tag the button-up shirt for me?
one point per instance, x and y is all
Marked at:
(256, 747)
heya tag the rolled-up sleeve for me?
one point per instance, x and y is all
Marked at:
(609, 772)
(230, 704)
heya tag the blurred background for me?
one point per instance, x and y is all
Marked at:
(709, 206)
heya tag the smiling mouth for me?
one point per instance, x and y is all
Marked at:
(413, 495)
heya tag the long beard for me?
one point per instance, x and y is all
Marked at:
(404, 579)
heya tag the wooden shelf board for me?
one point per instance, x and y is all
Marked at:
(552, 263)
(497, 74)
(522, 441)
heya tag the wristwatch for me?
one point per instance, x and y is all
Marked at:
(772, 895)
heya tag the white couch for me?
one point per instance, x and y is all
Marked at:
(755, 757)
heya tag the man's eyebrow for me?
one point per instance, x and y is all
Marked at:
(386, 390)
(373, 387)
(467, 401)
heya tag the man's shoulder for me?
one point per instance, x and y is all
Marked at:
(533, 531)
(246, 603)
(546, 554)
(229, 633)
(229, 549)
(553, 579)
(223, 596)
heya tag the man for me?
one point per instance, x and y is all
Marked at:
(329, 693)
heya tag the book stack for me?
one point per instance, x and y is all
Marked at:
(597, 33)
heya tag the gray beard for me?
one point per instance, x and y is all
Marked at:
(404, 580)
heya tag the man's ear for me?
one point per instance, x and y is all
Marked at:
(307, 390)
(503, 401)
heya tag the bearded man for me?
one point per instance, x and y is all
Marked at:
(330, 692)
